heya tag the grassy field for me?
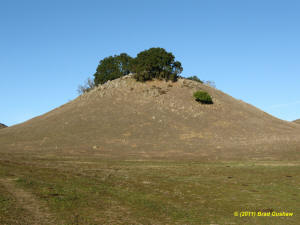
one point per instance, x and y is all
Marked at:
(73, 190)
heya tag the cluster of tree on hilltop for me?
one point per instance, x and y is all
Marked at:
(154, 63)
(149, 64)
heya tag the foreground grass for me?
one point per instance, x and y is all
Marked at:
(91, 191)
(10, 212)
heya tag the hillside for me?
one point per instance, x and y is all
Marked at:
(156, 119)
(2, 125)
(297, 121)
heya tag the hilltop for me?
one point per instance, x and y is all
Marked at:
(154, 119)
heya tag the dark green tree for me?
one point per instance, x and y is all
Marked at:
(155, 63)
(112, 67)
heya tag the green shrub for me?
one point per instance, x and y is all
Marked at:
(203, 97)
(155, 63)
(195, 78)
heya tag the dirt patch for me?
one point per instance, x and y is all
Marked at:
(27, 201)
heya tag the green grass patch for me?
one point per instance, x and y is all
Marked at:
(158, 192)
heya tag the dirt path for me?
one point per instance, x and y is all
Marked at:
(27, 201)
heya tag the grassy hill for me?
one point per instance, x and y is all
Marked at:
(155, 119)
(148, 153)
(2, 125)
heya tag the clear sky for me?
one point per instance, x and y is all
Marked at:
(249, 48)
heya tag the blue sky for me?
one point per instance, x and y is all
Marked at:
(249, 48)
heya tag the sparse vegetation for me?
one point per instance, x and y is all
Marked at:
(210, 83)
(195, 78)
(156, 63)
(112, 67)
(203, 97)
(89, 85)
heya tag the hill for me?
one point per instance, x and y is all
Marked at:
(156, 119)
(148, 153)
(297, 121)
(2, 125)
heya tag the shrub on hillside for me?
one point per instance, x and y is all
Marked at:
(203, 97)
(155, 63)
(195, 78)
(112, 67)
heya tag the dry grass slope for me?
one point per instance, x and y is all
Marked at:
(148, 153)
(156, 119)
